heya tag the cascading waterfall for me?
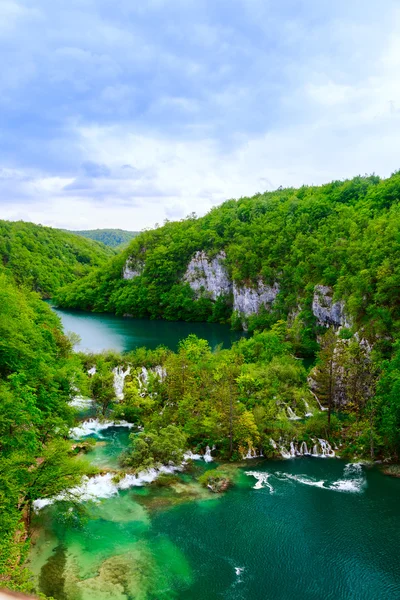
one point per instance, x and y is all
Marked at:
(81, 402)
(319, 403)
(323, 449)
(308, 413)
(119, 380)
(92, 371)
(292, 414)
(252, 453)
(303, 449)
(94, 426)
(207, 455)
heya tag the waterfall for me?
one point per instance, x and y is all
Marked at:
(252, 453)
(323, 449)
(303, 449)
(308, 413)
(326, 449)
(92, 370)
(284, 452)
(119, 380)
(319, 403)
(273, 443)
(292, 449)
(94, 426)
(207, 455)
(292, 415)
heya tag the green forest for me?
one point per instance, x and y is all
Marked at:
(109, 237)
(43, 258)
(290, 381)
(344, 234)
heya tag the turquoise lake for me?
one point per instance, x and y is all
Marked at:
(105, 331)
(304, 528)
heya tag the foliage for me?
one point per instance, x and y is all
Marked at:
(217, 480)
(155, 448)
(37, 369)
(344, 234)
(43, 258)
(109, 237)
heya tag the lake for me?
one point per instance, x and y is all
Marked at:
(305, 528)
(105, 331)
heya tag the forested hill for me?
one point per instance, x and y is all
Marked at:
(43, 258)
(261, 259)
(109, 237)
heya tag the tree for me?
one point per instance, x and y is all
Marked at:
(153, 449)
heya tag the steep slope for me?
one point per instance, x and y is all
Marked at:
(315, 255)
(109, 237)
(43, 258)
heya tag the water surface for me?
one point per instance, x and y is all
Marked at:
(306, 528)
(107, 332)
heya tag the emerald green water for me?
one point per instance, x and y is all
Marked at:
(313, 528)
(104, 332)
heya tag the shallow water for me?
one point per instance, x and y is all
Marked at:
(303, 528)
(107, 332)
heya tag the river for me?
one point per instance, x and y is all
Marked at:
(304, 528)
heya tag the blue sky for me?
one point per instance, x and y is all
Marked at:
(122, 114)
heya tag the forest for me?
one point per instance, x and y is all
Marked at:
(110, 237)
(43, 259)
(289, 384)
(344, 234)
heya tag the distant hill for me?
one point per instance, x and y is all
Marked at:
(43, 259)
(109, 237)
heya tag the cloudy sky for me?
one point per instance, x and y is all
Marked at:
(122, 114)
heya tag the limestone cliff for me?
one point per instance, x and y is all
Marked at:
(327, 312)
(208, 275)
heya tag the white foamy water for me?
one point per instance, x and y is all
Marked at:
(292, 414)
(353, 480)
(262, 480)
(189, 455)
(81, 402)
(94, 426)
(119, 381)
(103, 486)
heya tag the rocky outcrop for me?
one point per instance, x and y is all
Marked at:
(327, 312)
(248, 301)
(130, 271)
(208, 275)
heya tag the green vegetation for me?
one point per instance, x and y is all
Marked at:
(217, 480)
(343, 234)
(109, 237)
(43, 259)
(37, 371)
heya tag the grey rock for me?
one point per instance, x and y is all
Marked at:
(327, 312)
(208, 276)
(248, 301)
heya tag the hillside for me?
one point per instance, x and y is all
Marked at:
(314, 255)
(109, 237)
(43, 258)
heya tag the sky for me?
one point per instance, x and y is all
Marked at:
(124, 114)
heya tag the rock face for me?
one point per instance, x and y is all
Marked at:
(209, 276)
(131, 271)
(327, 312)
(248, 301)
